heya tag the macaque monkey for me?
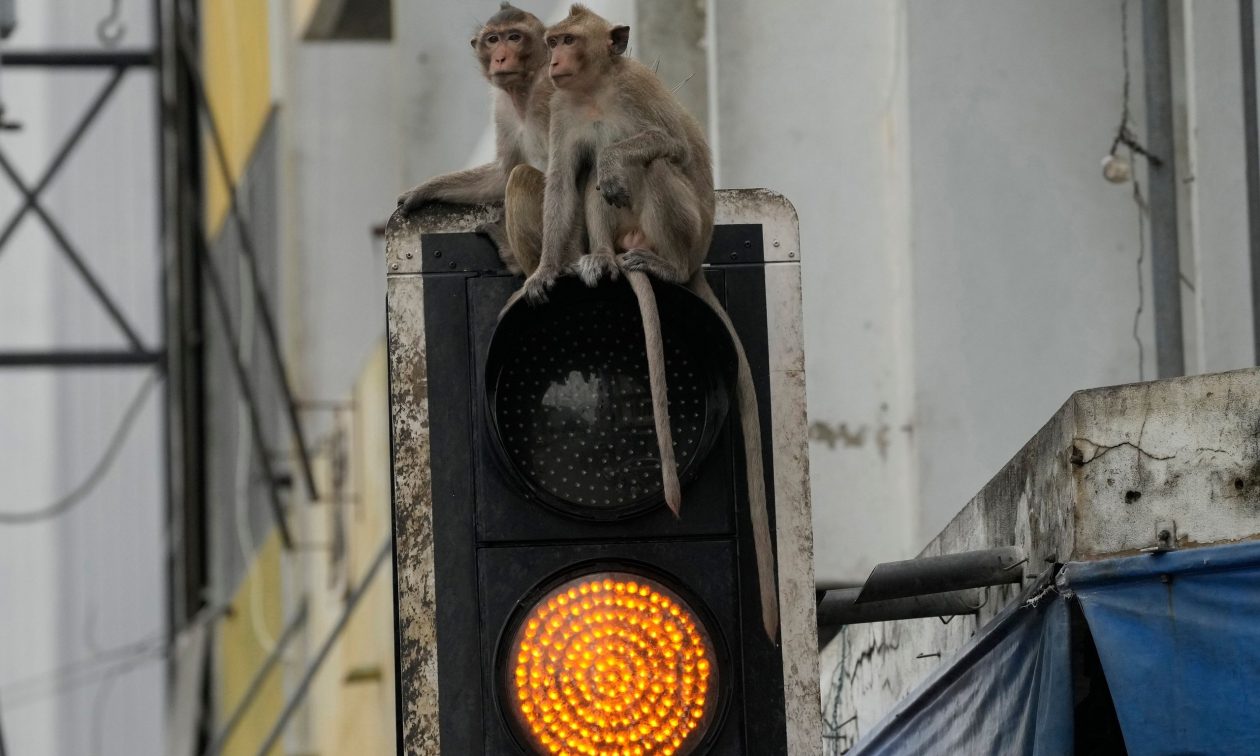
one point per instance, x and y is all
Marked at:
(513, 58)
(629, 172)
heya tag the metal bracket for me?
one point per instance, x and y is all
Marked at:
(1165, 537)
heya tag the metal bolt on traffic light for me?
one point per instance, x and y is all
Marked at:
(547, 600)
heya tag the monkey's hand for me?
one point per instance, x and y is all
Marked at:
(611, 182)
(413, 199)
(538, 284)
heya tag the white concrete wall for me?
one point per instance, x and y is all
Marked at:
(92, 580)
(818, 112)
(1026, 282)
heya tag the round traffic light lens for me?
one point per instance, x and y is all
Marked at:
(612, 663)
(570, 402)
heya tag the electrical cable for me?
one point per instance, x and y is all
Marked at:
(103, 465)
(100, 666)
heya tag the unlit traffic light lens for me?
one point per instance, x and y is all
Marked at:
(570, 402)
(612, 663)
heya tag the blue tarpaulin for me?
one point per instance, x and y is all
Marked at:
(1178, 634)
(1178, 637)
(1008, 691)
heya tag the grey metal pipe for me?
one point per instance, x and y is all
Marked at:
(1247, 27)
(939, 574)
(840, 607)
(1162, 193)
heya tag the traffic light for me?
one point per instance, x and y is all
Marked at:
(548, 602)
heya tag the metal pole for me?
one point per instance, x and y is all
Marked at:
(1162, 177)
(256, 684)
(80, 358)
(840, 607)
(221, 308)
(3, 751)
(1246, 24)
(951, 572)
(304, 685)
(265, 317)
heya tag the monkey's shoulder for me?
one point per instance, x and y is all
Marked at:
(639, 79)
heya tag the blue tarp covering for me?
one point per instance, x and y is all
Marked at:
(1178, 635)
(1007, 692)
(1179, 638)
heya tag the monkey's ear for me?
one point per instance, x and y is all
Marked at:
(473, 42)
(620, 36)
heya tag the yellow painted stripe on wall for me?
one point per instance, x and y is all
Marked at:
(237, 63)
(241, 646)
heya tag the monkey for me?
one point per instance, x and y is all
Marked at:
(513, 58)
(631, 168)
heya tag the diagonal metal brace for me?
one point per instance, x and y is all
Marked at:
(188, 51)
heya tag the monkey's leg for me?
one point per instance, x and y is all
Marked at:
(523, 216)
(670, 217)
(750, 425)
(601, 228)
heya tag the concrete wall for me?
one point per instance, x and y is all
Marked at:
(1026, 282)
(91, 581)
(1099, 479)
(836, 143)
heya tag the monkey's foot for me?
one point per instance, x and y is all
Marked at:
(647, 261)
(536, 286)
(594, 267)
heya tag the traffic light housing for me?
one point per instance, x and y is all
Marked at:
(547, 599)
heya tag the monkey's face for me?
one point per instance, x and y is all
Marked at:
(582, 52)
(568, 59)
(507, 53)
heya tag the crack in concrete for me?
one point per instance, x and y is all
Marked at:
(1105, 448)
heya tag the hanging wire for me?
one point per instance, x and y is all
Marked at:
(1124, 136)
(110, 30)
(103, 465)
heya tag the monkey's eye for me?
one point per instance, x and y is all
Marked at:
(514, 37)
(551, 42)
(568, 39)
(493, 39)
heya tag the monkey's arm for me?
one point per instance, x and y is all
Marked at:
(638, 150)
(643, 148)
(485, 183)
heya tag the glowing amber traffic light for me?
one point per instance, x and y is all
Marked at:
(612, 664)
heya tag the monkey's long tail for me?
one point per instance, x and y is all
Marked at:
(656, 379)
(750, 423)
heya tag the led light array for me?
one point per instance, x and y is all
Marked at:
(611, 664)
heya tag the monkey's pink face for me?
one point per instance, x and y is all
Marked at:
(566, 59)
(503, 50)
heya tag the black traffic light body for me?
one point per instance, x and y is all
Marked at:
(498, 542)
